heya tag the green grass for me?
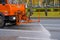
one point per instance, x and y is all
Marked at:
(51, 13)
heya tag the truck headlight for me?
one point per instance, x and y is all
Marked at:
(14, 18)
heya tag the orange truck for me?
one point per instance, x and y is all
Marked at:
(12, 12)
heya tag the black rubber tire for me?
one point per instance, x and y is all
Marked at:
(2, 22)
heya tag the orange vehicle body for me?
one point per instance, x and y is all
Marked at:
(15, 10)
(12, 9)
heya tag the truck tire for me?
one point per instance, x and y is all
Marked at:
(2, 23)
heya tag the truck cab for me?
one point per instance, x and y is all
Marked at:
(8, 11)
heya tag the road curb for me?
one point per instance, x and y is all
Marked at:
(48, 17)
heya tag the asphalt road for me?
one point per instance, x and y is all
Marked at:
(53, 25)
(31, 31)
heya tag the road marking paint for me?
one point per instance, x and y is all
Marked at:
(31, 38)
(46, 30)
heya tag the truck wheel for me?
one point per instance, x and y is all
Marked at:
(2, 23)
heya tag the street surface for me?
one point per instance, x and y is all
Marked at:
(31, 31)
(52, 25)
